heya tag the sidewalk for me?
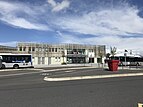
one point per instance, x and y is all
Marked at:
(67, 65)
(80, 65)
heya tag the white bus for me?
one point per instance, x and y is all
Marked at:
(130, 60)
(16, 61)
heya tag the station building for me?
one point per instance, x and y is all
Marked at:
(62, 53)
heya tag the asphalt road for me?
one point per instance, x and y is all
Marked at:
(31, 91)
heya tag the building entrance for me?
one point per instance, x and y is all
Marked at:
(91, 60)
(71, 60)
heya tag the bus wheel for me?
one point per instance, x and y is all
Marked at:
(16, 66)
(137, 64)
(3, 66)
(121, 64)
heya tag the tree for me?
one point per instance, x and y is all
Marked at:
(108, 55)
(113, 51)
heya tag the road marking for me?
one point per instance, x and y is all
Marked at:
(40, 71)
(45, 74)
(69, 71)
(140, 105)
(91, 77)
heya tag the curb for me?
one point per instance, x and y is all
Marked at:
(92, 77)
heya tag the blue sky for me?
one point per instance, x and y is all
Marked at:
(116, 23)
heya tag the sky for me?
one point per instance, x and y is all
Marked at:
(114, 23)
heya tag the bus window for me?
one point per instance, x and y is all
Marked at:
(10, 60)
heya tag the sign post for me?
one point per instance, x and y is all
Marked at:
(125, 54)
(0, 62)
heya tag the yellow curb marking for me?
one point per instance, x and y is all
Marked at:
(140, 105)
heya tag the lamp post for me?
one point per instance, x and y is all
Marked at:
(63, 55)
(0, 61)
(125, 54)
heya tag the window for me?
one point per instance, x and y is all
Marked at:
(24, 48)
(33, 48)
(55, 49)
(39, 60)
(49, 49)
(59, 59)
(52, 49)
(59, 49)
(43, 49)
(16, 58)
(20, 48)
(40, 49)
(69, 51)
(46, 49)
(29, 49)
(56, 59)
(90, 50)
(43, 60)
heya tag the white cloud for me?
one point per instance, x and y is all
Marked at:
(59, 6)
(15, 8)
(23, 23)
(11, 43)
(52, 2)
(117, 21)
(66, 38)
(9, 14)
(134, 44)
(107, 26)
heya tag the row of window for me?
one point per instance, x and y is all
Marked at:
(69, 51)
(40, 49)
(14, 58)
(51, 49)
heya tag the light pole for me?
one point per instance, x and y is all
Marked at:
(63, 55)
(125, 54)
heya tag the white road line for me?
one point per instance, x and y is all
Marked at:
(45, 74)
(42, 71)
(92, 77)
(69, 71)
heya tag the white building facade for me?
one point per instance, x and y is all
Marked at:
(47, 54)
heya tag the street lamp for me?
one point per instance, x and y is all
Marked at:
(125, 54)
